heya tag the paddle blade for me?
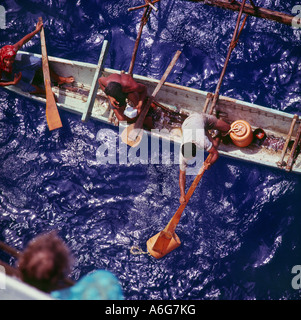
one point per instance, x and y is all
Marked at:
(52, 113)
(129, 132)
(162, 243)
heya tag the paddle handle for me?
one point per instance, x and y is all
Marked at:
(171, 226)
(166, 73)
(139, 123)
(46, 72)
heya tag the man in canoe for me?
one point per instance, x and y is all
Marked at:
(20, 70)
(196, 136)
(118, 88)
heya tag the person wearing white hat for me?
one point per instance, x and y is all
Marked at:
(196, 137)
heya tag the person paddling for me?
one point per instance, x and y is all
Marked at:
(196, 136)
(20, 69)
(119, 88)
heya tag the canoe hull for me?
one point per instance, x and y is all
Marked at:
(178, 100)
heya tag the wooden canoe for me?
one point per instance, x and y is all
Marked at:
(180, 101)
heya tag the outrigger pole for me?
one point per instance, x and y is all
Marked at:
(213, 98)
(251, 10)
(148, 7)
(233, 44)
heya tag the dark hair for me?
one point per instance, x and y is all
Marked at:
(188, 150)
(114, 89)
(44, 262)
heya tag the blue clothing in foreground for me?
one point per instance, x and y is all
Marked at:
(99, 285)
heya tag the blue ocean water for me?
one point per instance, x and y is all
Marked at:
(240, 233)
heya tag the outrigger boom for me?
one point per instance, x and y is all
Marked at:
(251, 10)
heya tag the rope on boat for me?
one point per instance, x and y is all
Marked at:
(235, 130)
(136, 250)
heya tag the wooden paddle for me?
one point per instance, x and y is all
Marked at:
(132, 135)
(167, 240)
(52, 113)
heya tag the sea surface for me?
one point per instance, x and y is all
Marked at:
(240, 232)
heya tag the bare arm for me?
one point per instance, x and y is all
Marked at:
(29, 36)
(182, 184)
(121, 117)
(213, 150)
(142, 96)
(215, 156)
(102, 83)
(17, 78)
